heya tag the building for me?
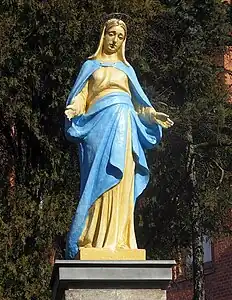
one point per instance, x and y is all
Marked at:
(218, 274)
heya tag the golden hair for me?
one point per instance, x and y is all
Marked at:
(121, 52)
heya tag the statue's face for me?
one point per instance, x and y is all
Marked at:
(113, 39)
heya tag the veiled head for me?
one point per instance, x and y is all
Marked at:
(113, 40)
(115, 22)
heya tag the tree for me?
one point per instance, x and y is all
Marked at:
(191, 190)
(40, 56)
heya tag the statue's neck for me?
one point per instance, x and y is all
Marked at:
(109, 57)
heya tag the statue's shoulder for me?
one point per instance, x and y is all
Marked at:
(87, 68)
(88, 63)
(130, 71)
(128, 68)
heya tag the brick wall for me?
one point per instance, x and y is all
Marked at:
(218, 277)
(228, 72)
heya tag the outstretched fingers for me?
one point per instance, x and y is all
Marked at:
(169, 122)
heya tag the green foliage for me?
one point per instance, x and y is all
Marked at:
(172, 45)
(184, 52)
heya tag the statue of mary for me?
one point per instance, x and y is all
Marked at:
(111, 119)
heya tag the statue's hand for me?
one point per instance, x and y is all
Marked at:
(163, 119)
(71, 111)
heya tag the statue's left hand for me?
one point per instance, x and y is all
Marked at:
(70, 112)
(163, 119)
(73, 110)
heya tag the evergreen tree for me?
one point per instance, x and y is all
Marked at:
(192, 171)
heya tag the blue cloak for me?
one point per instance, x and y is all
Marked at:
(101, 134)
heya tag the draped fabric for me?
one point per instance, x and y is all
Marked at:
(110, 221)
(102, 136)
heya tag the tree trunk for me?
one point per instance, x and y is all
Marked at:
(197, 237)
(198, 255)
(12, 171)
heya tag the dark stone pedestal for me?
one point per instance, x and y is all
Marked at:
(111, 280)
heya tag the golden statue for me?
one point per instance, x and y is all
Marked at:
(113, 122)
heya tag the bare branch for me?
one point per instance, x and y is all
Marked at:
(212, 145)
(222, 172)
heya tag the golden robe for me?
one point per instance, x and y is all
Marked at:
(110, 221)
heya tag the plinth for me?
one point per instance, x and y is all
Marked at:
(107, 254)
(111, 279)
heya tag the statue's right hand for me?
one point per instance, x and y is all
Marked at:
(71, 111)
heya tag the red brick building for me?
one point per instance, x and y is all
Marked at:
(218, 275)
(228, 68)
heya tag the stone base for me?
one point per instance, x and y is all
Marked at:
(115, 294)
(111, 279)
(106, 254)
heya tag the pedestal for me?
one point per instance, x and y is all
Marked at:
(116, 294)
(106, 254)
(111, 280)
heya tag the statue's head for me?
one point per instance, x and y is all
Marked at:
(113, 40)
(114, 35)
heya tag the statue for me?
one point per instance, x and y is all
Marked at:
(112, 121)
